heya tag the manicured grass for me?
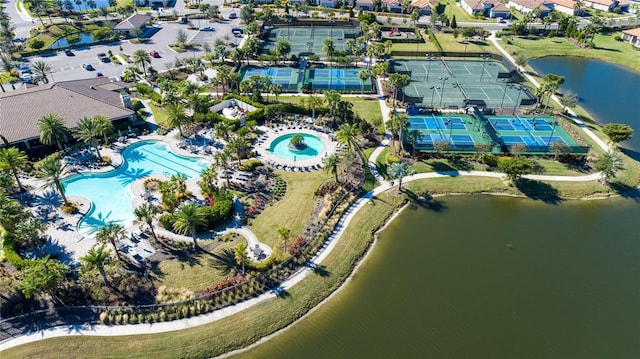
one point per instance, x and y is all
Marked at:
(293, 211)
(238, 330)
(607, 49)
(159, 114)
(461, 15)
(428, 46)
(452, 44)
(194, 273)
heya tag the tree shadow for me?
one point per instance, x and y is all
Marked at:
(539, 191)
(382, 169)
(280, 292)
(459, 163)
(625, 190)
(426, 201)
(224, 261)
(439, 166)
(318, 269)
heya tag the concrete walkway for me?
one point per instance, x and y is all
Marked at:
(596, 139)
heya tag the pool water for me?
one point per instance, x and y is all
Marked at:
(110, 192)
(280, 147)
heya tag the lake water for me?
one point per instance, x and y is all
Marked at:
(607, 91)
(486, 277)
(85, 38)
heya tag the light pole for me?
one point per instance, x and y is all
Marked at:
(553, 129)
(433, 91)
(429, 59)
(448, 123)
(484, 61)
(443, 80)
(504, 94)
(515, 106)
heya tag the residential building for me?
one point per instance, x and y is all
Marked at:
(632, 36)
(20, 110)
(527, 6)
(424, 6)
(135, 22)
(568, 7)
(608, 5)
(393, 6)
(364, 5)
(486, 8)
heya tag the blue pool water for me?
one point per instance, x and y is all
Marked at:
(280, 147)
(110, 192)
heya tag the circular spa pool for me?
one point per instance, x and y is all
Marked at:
(280, 147)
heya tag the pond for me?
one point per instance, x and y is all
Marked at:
(605, 90)
(486, 277)
(85, 38)
(90, 4)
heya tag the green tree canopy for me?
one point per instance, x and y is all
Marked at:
(515, 167)
(617, 132)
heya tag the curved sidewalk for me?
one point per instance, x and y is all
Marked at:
(136, 329)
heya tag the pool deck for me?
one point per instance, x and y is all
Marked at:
(272, 133)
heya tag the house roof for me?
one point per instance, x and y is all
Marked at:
(532, 4)
(480, 4)
(392, 2)
(500, 7)
(421, 4)
(71, 100)
(633, 32)
(134, 21)
(609, 2)
(565, 3)
(365, 2)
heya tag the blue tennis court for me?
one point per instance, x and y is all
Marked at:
(436, 123)
(518, 124)
(531, 141)
(269, 71)
(349, 73)
(336, 84)
(455, 140)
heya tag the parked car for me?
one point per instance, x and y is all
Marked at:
(233, 15)
(206, 28)
(88, 67)
(68, 52)
(103, 57)
(99, 74)
(154, 54)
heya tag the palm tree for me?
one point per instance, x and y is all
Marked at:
(238, 145)
(98, 257)
(176, 116)
(398, 171)
(240, 254)
(188, 218)
(312, 102)
(284, 234)
(363, 75)
(332, 98)
(52, 170)
(222, 129)
(330, 164)
(414, 136)
(146, 213)
(397, 125)
(347, 135)
(13, 160)
(105, 127)
(41, 69)
(221, 161)
(398, 81)
(328, 48)
(52, 129)
(130, 73)
(142, 58)
(88, 131)
(283, 48)
(111, 233)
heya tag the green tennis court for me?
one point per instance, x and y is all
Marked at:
(536, 133)
(308, 39)
(458, 133)
(288, 77)
(448, 83)
(343, 79)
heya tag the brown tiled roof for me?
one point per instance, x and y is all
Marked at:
(565, 3)
(99, 88)
(20, 110)
(532, 4)
(134, 21)
(500, 7)
(424, 3)
(475, 4)
(633, 32)
(365, 2)
(392, 2)
(609, 2)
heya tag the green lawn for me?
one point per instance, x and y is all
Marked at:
(607, 49)
(159, 114)
(429, 46)
(461, 15)
(194, 273)
(451, 44)
(293, 210)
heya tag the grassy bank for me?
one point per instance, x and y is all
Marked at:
(607, 49)
(238, 330)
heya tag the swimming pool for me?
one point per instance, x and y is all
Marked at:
(280, 147)
(110, 192)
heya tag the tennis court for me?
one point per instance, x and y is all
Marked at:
(346, 79)
(289, 78)
(437, 82)
(309, 39)
(461, 132)
(536, 133)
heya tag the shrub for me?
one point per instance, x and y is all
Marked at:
(490, 160)
(143, 89)
(36, 44)
(167, 220)
(250, 164)
(390, 158)
(69, 207)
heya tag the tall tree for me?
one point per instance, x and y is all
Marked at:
(221, 160)
(240, 254)
(331, 163)
(176, 116)
(51, 171)
(42, 275)
(188, 218)
(41, 70)
(363, 75)
(88, 131)
(98, 257)
(347, 135)
(143, 59)
(617, 132)
(397, 125)
(332, 98)
(52, 130)
(609, 163)
(285, 234)
(312, 102)
(238, 145)
(13, 160)
(283, 48)
(105, 127)
(111, 233)
(146, 213)
(414, 136)
(398, 171)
